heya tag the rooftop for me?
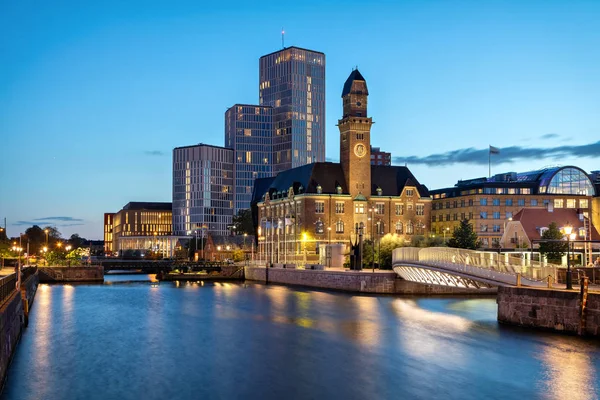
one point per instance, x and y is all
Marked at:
(153, 206)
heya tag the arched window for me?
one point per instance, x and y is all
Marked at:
(319, 228)
(420, 228)
(567, 180)
(399, 227)
(339, 227)
(410, 229)
(380, 228)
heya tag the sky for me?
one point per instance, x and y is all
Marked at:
(94, 95)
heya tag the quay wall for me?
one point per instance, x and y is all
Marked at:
(352, 281)
(556, 310)
(71, 274)
(227, 272)
(13, 320)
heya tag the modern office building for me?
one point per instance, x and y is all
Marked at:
(108, 233)
(202, 189)
(489, 203)
(324, 202)
(143, 227)
(249, 133)
(379, 157)
(292, 81)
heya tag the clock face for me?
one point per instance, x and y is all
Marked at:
(358, 103)
(360, 150)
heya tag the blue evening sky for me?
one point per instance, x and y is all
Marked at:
(94, 95)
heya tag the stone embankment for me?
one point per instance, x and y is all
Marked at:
(380, 282)
(71, 274)
(230, 272)
(550, 309)
(14, 314)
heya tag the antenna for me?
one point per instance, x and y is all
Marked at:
(282, 37)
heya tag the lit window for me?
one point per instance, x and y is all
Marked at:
(558, 203)
(319, 207)
(571, 203)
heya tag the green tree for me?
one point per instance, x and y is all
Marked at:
(385, 248)
(553, 250)
(77, 241)
(243, 222)
(464, 237)
(368, 253)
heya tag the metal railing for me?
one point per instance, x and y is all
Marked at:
(8, 285)
(480, 263)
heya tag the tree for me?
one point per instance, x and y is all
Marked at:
(386, 247)
(243, 222)
(553, 250)
(76, 241)
(464, 237)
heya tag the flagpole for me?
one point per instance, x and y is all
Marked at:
(489, 162)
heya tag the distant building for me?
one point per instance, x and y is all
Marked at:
(144, 227)
(379, 157)
(108, 233)
(292, 81)
(595, 178)
(324, 202)
(489, 203)
(202, 189)
(249, 133)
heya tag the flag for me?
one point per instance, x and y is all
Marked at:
(494, 150)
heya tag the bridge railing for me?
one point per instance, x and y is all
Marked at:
(456, 258)
(8, 285)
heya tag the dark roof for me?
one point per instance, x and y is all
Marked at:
(201, 144)
(138, 205)
(292, 47)
(393, 179)
(354, 76)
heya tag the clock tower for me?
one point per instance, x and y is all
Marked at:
(355, 136)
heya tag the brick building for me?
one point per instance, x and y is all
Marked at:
(324, 202)
(379, 157)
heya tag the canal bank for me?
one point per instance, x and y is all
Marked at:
(378, 282)
(14, 314)
(71, 274)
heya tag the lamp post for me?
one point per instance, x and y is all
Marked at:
(328, 252)
(46, 232)
(446, 229)
(304, 245)
(568, 231)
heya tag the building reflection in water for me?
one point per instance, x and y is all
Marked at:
(43, 332)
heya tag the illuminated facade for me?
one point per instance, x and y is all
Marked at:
(489, 203)
(320, 203)
(292, 81)
(203, 188)
(148, 224)
(249, 133)
(108, 232)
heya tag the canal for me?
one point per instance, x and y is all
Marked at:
(132, 339)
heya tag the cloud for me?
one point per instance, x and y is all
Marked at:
(507, 155)
(154, 153)
(550, 136)
(331, 159)
(62, 219)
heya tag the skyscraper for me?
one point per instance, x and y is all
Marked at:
(292, 81)
(249, 132)
(202, 189)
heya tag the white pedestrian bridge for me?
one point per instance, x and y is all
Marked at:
(470, 268)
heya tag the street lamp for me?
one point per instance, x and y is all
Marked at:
(329, 248)
(570, 236)
(304, 245)
(46, 232)
(446, 229)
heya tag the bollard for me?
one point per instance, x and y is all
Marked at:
(583, 295)
(519, 279)
(549, 281)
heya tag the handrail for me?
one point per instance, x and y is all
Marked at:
(8, 285)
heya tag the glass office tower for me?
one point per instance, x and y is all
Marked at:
(292, 81)
(249, 132)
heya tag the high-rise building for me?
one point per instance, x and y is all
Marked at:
(108, 232)
(379, 157)
(292, 81)
(249, 133)
(202, 189)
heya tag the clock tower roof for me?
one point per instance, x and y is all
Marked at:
(354, 76)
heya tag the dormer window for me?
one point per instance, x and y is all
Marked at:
(338, 189)
(319, 189)
(379, 191)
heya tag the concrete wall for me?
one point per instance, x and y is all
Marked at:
(557, 310)
(227, 272)
(352, 281)
(71, 274)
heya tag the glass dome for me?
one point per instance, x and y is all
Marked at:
(567, 180)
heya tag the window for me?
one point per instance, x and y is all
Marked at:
(462, 202)
(483, 215)
(447, 217)
(483, 202)
(571, 203)
(447, 204)
(470, 202)
(533, 202)
(455, 217)
(410, 229)
(319, 228)
(409, 206)
(483, 228)
(508, 202)
(339, 227)
(380, 228)
(496, 215)
(379, 208)
(399, 227)
(455, 204)
(558, 203)
(410, 192)
(496, 228)
(521, 202)
(399, 209)
(319, 207)
(462, 216)
(508, 215)
(470, 215)
(496, 202)
(420, 209)
(319, 189)
(583, 203)
(339, 207)
(359, 208)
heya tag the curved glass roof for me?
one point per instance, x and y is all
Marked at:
(566, 180)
